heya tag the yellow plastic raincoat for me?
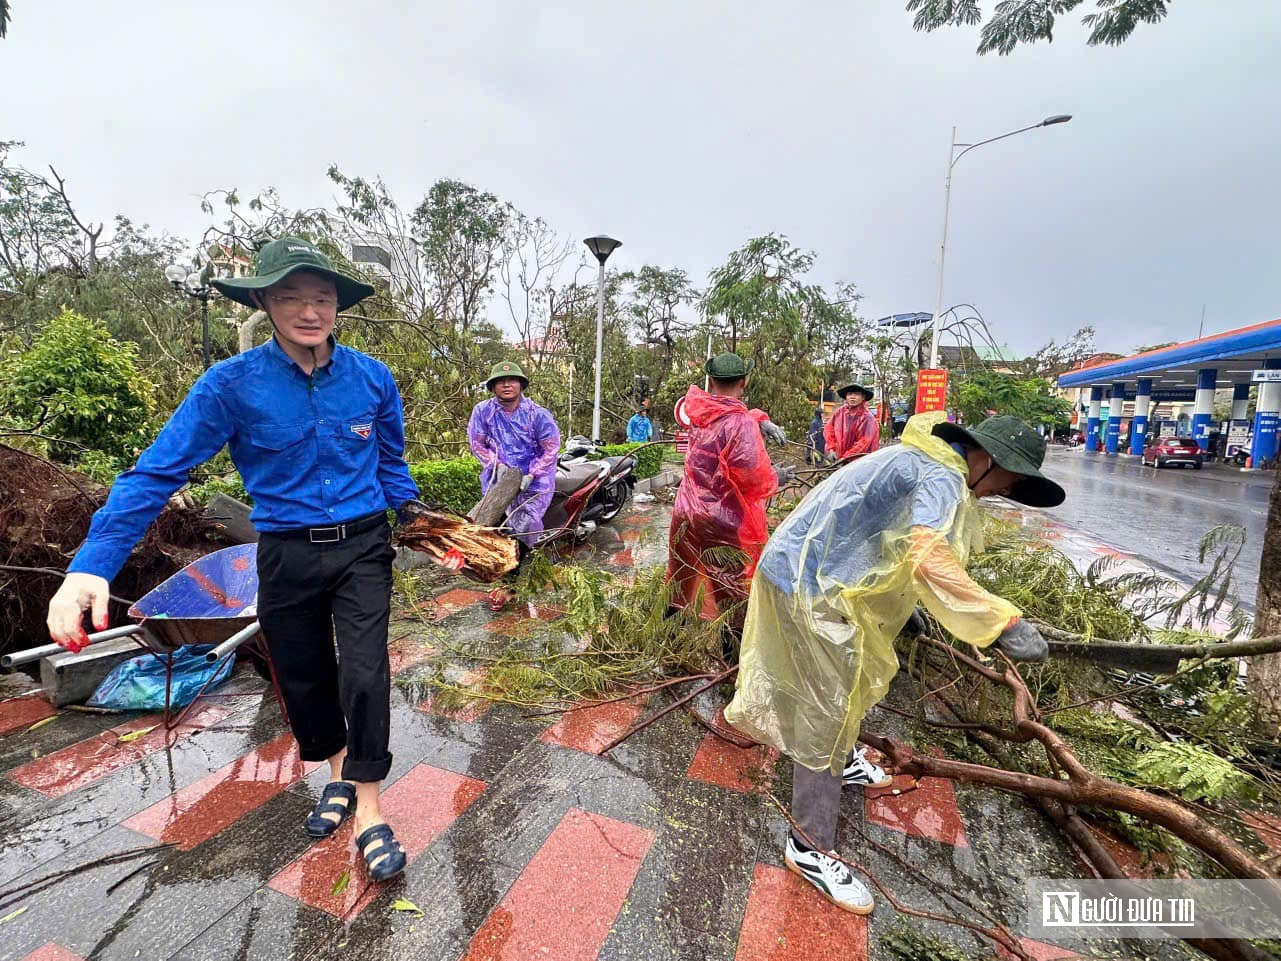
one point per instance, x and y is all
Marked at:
(839, 579)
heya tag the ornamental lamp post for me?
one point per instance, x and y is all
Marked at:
(601, 247)
(195, 284)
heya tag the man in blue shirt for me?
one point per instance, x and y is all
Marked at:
(317, 432)
(639, 429)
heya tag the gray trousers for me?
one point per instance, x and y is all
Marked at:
(816, 805)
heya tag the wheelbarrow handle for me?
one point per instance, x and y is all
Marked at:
(18, 658)
(233, 642)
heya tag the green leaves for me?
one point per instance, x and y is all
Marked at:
(451, 483)
(79, 384)
(1193, 773)
(407, 906)
(341, 884)
(1015, 22)
(1032, 400)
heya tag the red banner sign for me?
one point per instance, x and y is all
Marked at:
(931, 390)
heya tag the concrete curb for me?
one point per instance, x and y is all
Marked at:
(664, 478)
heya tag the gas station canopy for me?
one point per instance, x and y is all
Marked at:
(1234, 354)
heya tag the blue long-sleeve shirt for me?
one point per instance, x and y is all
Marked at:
(312, 450)
(639, 429)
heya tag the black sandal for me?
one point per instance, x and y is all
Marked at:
(383, 854)
(319, 826)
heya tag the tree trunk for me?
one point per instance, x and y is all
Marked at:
(493, 506)
(1264, 678)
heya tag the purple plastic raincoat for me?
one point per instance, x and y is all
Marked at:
(526, 439)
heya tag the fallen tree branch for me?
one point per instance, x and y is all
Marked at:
(999, 934)
(641, 725)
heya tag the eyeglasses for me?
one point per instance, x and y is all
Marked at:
(323, 304)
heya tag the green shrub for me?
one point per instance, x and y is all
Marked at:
(451, 483)
(456, 483)
(82, 386)
(648, 462)
(231, 485)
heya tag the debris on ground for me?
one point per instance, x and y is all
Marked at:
(45, 510)
(486, 553)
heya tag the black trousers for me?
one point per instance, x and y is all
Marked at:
(308, 594)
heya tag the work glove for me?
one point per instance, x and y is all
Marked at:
(411, 509)
(525, 481)
(1023, 642)
(785, 473)
(916, 624)
(773, 433)
(78, 593)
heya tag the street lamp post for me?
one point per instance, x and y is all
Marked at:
(196, 285)
(952, 158)
(601, 247)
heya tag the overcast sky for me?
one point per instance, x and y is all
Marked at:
(685, 128)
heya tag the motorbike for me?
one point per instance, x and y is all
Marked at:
(591, 489)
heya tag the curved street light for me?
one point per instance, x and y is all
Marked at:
(952, 158)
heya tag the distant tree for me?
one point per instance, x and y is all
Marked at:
(1026, 21)
(4, 18)
(463, 233)
(1030, 399)
(1054, 358)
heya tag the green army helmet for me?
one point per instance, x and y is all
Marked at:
(506, 368)
(727, 366)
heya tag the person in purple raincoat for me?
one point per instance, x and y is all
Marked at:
(509, 428)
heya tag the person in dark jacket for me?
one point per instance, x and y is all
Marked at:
(814, 437)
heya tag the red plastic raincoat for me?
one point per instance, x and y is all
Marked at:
(718, 521)
(852, 432)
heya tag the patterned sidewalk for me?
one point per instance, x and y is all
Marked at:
(524, 843)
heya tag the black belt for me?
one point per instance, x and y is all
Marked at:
(335, 532)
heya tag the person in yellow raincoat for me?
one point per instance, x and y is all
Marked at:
(839, 579)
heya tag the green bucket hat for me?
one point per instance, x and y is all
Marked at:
(850, 388)
(1016, 447)
(280, 258)
(507, 368)
(727, 366)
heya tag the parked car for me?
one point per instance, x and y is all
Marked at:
(1183, 451)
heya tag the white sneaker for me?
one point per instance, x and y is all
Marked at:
(832, 878)
(859, 770)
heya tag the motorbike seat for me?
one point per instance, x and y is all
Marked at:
(571, 477)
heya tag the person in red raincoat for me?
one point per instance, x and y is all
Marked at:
(718, 520)
(853, 429)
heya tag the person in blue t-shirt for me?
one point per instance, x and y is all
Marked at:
(639, 429)
(317, 432)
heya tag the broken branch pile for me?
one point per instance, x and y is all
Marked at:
(486, 554)
(45, 510)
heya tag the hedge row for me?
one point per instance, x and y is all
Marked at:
(452, 483)
(648, 462)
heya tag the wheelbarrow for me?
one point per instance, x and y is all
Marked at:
(213, 600)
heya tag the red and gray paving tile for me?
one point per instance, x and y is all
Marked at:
(119, 840)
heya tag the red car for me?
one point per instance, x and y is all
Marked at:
(1173, 450)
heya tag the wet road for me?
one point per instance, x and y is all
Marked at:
(1160, 516)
